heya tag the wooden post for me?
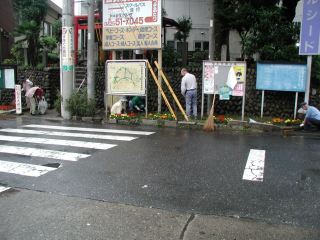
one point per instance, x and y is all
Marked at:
(161, 91)
(160, 81)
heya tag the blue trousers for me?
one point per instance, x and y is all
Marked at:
(310, 122)
(191, 102)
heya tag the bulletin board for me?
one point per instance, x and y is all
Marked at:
(8, 76)
(225, 78)
(281, 77)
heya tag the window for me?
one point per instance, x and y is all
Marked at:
(170, 44)
(47, 29)
(197, 46)
(205, 46)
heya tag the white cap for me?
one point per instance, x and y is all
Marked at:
(29, 82)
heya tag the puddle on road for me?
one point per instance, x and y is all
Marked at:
(53, 165)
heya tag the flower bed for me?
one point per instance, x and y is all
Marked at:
(6, 107)
(130, 118)
(285, 122)
(160, 116)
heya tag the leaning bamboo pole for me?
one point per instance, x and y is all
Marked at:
(171, 91)
(161, 91)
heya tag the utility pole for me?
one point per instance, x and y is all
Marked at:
(90, 52)
(211, 32)
(211, 44)
(67, 56)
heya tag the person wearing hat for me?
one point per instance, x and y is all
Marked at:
(119, 107)
(312, 117)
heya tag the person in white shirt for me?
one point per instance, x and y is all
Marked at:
(119, 107)
(189, 91)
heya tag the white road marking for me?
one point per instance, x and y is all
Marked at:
(2, 188)
(35, 152)
(59, 142)
(90, 129)
(255, 166)
(67, 134)
(24, 169)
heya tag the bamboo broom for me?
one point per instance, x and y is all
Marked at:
(209, 123)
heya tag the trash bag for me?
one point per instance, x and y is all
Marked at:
(42, 106)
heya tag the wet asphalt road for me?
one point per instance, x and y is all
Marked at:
(188, 171)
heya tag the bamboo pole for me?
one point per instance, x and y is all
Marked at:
(171, 90)
(161, 91)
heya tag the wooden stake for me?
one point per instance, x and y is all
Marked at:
(171, 91)
(161, 91)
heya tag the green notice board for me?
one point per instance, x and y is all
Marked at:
(7, 77)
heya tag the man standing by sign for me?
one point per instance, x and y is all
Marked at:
(189, 91)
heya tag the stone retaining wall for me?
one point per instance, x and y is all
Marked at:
(48, 79)
(277, 104)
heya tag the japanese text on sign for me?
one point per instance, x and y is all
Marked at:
(67, 49)
(131, 24)
(310, 28)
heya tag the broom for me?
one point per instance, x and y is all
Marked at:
(209, 123)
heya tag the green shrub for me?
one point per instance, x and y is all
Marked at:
(79, 105)
(57, 103)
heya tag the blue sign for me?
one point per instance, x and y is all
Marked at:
(281, 77)
(310, 28)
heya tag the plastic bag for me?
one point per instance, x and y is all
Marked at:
(42, 106)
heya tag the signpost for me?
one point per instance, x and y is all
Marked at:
(133, 25)
(67, 56)
(310, 36)
(18, 99)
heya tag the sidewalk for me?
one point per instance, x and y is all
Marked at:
(37, 215)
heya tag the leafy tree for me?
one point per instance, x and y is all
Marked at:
(57, 29)
(263, 26)
(272, 36)
(30, 15)
(184, 28)
(185, 25)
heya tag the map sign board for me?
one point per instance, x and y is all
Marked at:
(131, 24)
(281, 77)
(126, 77)
(310, 28)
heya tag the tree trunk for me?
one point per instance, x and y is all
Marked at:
(184, 53)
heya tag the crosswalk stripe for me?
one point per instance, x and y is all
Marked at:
(60, 142)
(2, 188)
(35, 152)
(90, 129)
(24, 169)
(255, 166)
(67, 134)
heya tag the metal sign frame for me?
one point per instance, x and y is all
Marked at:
(282, 90)
(145, 94)
(224, 63)
(9, 66)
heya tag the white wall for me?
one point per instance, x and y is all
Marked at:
(198, 10)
